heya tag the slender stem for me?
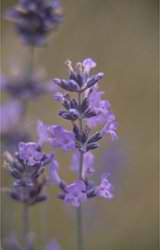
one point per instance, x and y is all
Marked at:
(25, 226)
(79, 228)
(79, 209)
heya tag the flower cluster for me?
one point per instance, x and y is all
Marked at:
(26, 167)
(35, 19)
(84, 113)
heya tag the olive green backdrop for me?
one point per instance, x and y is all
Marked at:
(122, 36)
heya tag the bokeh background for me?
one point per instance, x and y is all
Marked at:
(122, 36)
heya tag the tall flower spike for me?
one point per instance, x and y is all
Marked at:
(26, 166)
(35, 19)
(84, 113)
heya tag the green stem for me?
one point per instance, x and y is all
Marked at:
(25, 226)
(79, 209)
(79, 228)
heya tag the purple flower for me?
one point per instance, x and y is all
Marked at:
(53, 170)
(30, 153)
(88, 64)
(105, 188)
(53, 245)
(59, 97)
(79, 79)
(110, 126)
(43, 135)
(76, 193)
(88, 163)
(35, 19)
(100, 107)
(59, 137)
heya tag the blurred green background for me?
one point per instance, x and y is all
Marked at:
(122, 36)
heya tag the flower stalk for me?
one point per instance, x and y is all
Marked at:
(79, 209)
(25, 226)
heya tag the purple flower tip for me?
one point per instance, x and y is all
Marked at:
(88, 64)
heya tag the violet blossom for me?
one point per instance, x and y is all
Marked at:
(105, 188)
(75, 193)
(56, 135)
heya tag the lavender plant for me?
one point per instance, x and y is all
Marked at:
(34, 20)
(85, 112)
(27, 167)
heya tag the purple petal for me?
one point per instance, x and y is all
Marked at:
(88, 64)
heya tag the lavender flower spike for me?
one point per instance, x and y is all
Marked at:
(35, 19)
(79, 79)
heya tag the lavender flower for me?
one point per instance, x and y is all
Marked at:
(105, 188)
(56, 135)
(35, 19)
(42, 131)
(30, 153)
(79, 79)
(75, 193)
(53, 170)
